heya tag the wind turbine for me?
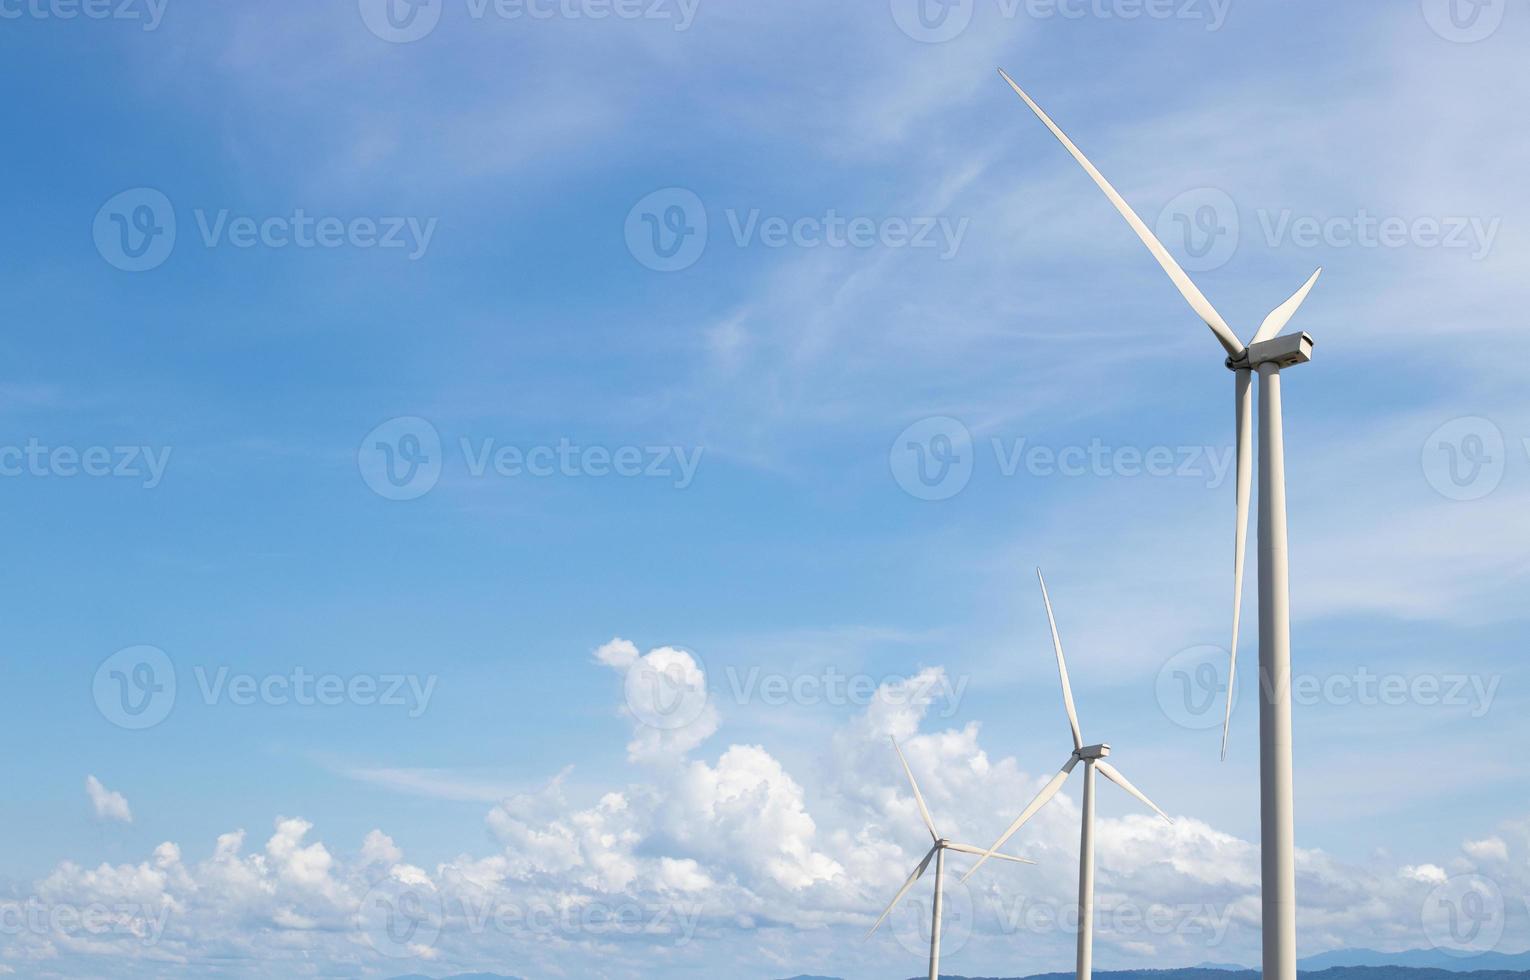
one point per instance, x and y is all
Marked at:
(1093, 758)
(937, 853)
(1267, 354)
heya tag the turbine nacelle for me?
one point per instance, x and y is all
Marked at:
(1283, 352)
(1090, 753)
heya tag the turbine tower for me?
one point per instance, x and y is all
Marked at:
(1093, 757)
(937, 853)
(1267, 354)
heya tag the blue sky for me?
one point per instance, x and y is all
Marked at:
(875, 235)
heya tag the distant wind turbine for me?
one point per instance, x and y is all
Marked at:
(937, 853)
(1267, 354)
(1093, 758)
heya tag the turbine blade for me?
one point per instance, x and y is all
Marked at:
(918, 873)
(924, 811)
(969, 849)
(1047, 792)
(1282, 314)
(1113, 774)
(1062, 667)
(1197, 300)
(1243, 403)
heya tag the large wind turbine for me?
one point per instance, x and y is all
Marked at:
(937, 853)
(1093, 758)
(1267, 354)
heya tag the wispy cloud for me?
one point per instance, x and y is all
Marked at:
(108, 805)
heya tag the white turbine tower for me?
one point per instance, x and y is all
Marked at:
(1093, 758)
(1267, 354)
(937, 853)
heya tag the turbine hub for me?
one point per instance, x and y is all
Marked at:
(1092, 752)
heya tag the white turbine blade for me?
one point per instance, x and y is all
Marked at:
(1062, 667)
(1113, 774)
(1282, 314)
(969, 849)
(1243, 403)
(1047, 792)
(918, 872)
(924, 811)
(1198, 302)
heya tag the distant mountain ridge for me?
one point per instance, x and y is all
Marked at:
(1437, 959)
